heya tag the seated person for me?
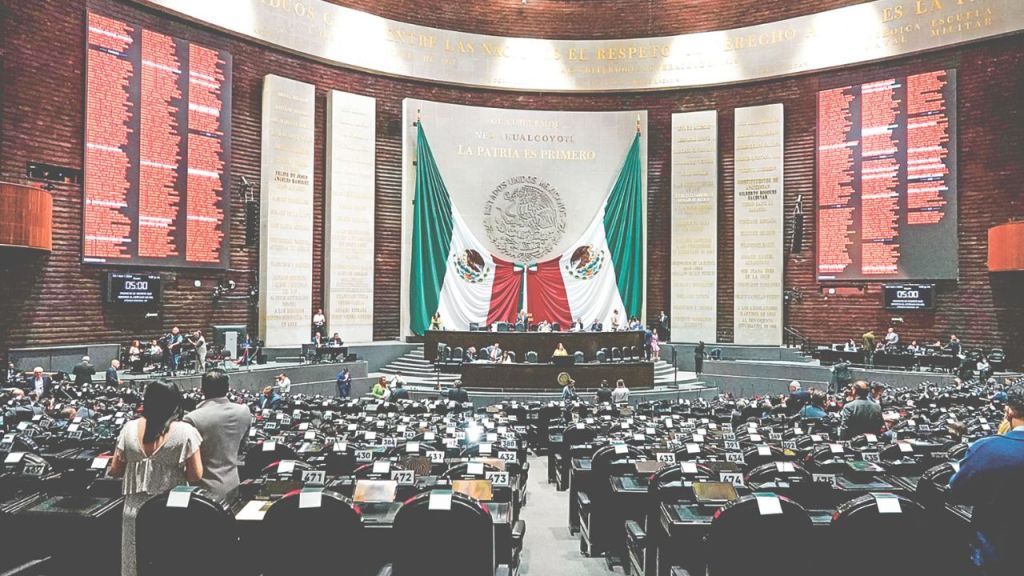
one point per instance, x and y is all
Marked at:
(470, 354)
(815, 407)
(399, 392)
(891, 337)
(560, 350)
(577, 325)
(380, 389)
(334, 345)
(495, 353)
(914, 348)
(596, 326)
(318, 346)
(270, 399)
(505, 358)
(544, 326)
(850, 346)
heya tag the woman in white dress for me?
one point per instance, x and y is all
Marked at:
(154, 454)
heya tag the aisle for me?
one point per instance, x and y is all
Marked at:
(548, 549)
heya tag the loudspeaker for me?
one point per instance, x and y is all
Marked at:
(252, 223)
(798, 233)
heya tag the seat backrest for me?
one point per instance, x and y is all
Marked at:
(602, 355)
(748, 537)
(204, 527)
(895, 531)
(304, 536)
(580, 357)
(257, 458)
(458, 354)
(531, 357)
(454, 542)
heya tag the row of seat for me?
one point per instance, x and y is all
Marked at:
(639, 482)
(457, 355)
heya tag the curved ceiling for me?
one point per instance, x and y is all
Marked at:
(590, 19)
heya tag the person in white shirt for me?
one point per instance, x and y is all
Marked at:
(616, 321)
(621, 393)
(396, 379)
(320, 323)
(544, 326)
(495, 353)
(577, 326)
(284, 383)
(891, 337)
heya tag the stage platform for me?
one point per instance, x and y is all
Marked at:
(521, 376)
(543, 343)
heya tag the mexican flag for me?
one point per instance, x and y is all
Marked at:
(455, 275)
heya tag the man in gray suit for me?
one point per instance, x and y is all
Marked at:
(223, 425)
(862, 416)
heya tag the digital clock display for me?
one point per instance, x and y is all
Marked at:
(136, 289)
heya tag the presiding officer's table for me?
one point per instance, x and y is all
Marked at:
(543, 343)
(522, 376)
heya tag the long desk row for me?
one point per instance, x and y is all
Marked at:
(543, 343)
(636, 375)
(947, 363)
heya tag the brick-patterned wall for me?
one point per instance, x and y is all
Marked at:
(55, 299)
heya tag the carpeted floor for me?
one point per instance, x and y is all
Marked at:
(548, 549)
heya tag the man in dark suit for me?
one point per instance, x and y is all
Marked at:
(990, 478)
(344, 381)
(39, 383)
(223, 425)
(83, 372)
(110, 377)
(11, 375)
(861, 416)
(457, 394)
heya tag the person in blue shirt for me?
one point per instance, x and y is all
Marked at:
(990, 478)
(344, 380)
(815, 407)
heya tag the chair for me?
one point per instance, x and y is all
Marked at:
(512, 356)
(256, 458)
(531, 357)
(458, 355)
(579, 357)
(197, 538)
(310, 535)
(902, 540)
(743, 541)
(602, 355)
(616, 354)
(481, 354)
(427, 538)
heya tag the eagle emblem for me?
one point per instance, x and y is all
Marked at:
(471, 266)
(586, 262)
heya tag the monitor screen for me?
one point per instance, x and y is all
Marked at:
(137, 289)
(157, 149)
(886, 178)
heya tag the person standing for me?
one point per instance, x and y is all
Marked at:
(199, 342)
(861, 416)
(223, 426)
(616, 321)
(569, 391)
(110, 377)
(655, 346)
(990, 478)
(621, 394)
(154, 454)
(40, 384)
(698, 358)
(284, 383)
(344, 381)
(174, 349)
(457, 393)
(83, 372)
(604, 393)
(320, 323)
